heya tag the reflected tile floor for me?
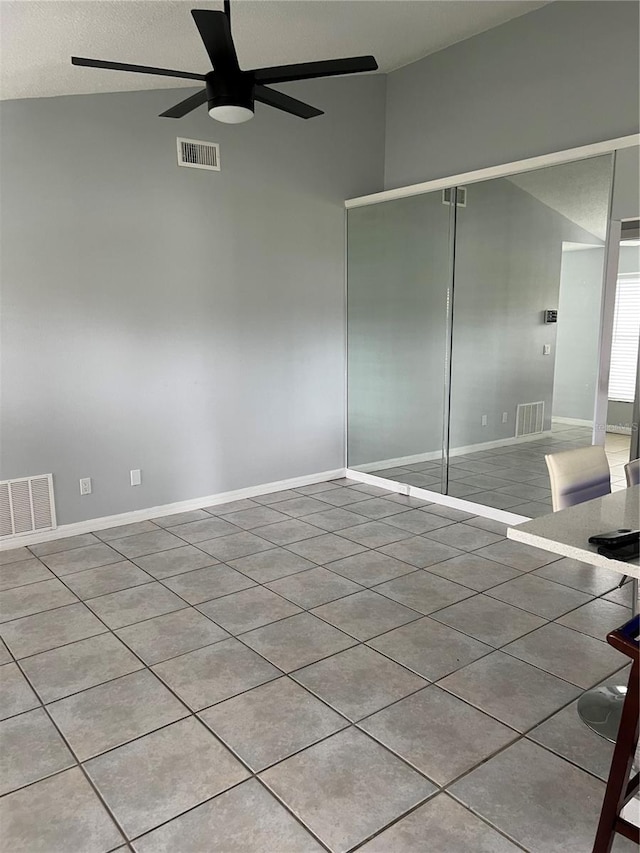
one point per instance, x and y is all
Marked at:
(259, 678)
(513, 477)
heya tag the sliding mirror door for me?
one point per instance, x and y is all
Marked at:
(524, 381)
(399, 269)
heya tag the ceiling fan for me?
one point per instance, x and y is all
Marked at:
(231, 92)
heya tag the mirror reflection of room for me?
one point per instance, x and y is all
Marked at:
(474, 334)
(398, 267)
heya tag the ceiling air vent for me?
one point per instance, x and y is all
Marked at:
(461, 198)
(26, 505)
(198, 155)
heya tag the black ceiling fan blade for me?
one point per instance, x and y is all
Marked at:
(307, 70)
(140, 69)
(283, 102)
(215, 32)
(186, 106)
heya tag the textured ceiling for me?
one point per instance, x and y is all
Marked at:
(579, 191)
(38, 37)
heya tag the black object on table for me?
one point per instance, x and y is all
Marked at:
(621, 544)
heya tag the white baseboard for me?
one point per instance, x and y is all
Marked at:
(65, 530)
(399, 461)
(619, 429)
(572, 422)
(500, 442)
(616, 429)
(435, 455)
(436, 498)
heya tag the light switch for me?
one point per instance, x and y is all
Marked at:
(546, 349)
(136, 478)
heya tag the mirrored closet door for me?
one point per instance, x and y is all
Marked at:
(399, 289)
(474, 322)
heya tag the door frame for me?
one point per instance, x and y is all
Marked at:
(501, 171)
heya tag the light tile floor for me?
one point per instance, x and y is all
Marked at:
(514, 477)
(335, 668)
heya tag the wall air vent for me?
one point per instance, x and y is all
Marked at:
(198, 155)
(26, 505)
(461, 197)
(529, 418)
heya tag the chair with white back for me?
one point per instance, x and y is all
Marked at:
(632, 472)
(578, 475)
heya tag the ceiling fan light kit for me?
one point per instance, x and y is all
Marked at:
(229, 92)
(229, 102)
(230, 113)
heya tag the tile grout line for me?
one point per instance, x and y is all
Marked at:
(308, 610)
(370, 588)
(291, 675)
(349, 722)
(191, 714)
(415, 808)
(79, 764)
(195, 714)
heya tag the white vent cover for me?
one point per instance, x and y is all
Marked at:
(198, 155)
(529, 418)
(461, 197)
(26, 505)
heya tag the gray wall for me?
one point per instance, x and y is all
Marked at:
(578, 334)
(398, 263)
(619, 414)
(626, 184)
(508, 259)
(562, 76)
(508, 255)
(629, 259)
(184, 322)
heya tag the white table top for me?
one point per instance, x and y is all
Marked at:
(567, 531)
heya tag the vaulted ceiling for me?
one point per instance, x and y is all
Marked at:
(37, 38)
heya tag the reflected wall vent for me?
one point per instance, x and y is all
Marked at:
(27, 505)
(461, 198)
(198, 155)
(529, 418)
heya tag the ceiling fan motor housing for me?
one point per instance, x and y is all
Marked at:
(225, 92)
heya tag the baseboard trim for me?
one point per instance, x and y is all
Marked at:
(88, 526)
(616, 429)
(619, 429)
(572, 421)
(501, 515)
(399, 461)
(436, 455)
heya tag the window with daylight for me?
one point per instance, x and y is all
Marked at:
(626, 332)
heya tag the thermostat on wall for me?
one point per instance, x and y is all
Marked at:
(551, 315)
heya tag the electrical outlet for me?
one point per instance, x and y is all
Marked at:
(485, 420)
(85, 486)
(505, 417)
(135, 476)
